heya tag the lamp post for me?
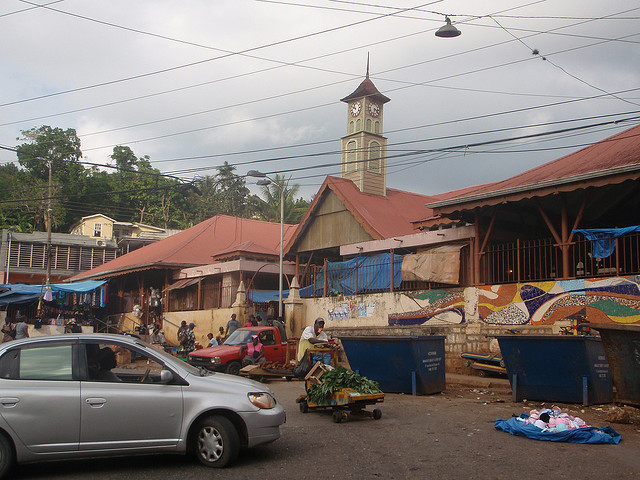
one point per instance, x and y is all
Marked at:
(266, 180)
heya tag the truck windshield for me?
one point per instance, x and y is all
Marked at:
(240, 337)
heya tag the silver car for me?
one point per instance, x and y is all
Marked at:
(77, 396)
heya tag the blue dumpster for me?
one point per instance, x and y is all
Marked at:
(400, 364)
(622, 347)
(557, 368)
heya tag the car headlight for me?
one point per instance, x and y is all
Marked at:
(262, 400)
(216, 360)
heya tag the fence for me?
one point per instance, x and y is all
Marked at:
(363, 275)
(540, 260)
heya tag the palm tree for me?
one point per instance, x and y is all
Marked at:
(268, 208)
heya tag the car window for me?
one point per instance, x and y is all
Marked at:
(268, 338)
(39, 362)
(115, 362)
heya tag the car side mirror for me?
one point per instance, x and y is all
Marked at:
(166, 376)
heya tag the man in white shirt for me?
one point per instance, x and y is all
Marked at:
(313, 336)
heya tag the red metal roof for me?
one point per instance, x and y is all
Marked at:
(198, 245)
(618, 153)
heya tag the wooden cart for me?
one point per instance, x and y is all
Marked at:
(345, 403)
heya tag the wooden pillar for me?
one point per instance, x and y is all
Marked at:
(199, 303)
(476, 252)
(565, 238)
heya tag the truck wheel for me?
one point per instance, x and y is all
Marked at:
(233, 368)
(216, 442)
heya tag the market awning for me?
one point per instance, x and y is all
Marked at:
(22, 293)
(182, 283)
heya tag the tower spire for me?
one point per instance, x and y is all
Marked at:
(367, 64)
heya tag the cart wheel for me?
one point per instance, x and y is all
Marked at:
(377, 414)
(340, 416)
(482, 373)
(304, 406)
(467, 363)
(502, 363)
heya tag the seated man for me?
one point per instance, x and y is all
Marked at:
(313, 336)
(255, 352)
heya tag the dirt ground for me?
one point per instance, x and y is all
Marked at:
(450, 435)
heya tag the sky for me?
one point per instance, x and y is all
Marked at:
(258, 83)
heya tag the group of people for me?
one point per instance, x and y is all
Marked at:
(15, 329)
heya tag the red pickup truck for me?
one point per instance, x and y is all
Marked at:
(228, 357)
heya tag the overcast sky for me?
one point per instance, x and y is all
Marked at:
(258, 83)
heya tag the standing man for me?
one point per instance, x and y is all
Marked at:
(279, 324)
(22, 329)
(189, 344)
(181, 332)
(232, 325)
(314, 335)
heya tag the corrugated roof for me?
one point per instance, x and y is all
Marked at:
(381, 217)
(617, 154)
(197, 245)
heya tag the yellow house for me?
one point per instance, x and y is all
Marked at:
(100, 226)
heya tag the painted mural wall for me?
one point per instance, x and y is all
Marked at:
(602, 300)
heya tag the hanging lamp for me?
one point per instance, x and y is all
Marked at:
(448, 30)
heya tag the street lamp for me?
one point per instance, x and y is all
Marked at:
(266, 180)
(447, 30)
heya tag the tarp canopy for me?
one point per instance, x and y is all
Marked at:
(603, 240)
(21, 293)
(263, 296)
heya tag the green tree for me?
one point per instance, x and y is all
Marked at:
(59, 150)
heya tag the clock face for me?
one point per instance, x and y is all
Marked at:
(355, 109)
(374, 109)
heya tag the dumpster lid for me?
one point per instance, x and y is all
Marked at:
(627, 327)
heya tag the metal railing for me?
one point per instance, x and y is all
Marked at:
(541, 259)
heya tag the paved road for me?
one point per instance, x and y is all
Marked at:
(442, 436)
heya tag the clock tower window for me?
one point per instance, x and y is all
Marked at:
(351, 164)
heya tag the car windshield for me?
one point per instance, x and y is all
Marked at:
(240, 337)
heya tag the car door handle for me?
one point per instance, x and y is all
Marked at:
(9, 402)
(96, 402)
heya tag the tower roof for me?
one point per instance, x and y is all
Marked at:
(366, 89)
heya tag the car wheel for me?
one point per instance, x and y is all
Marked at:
(6, 456)
(216, 442)
(233, 368)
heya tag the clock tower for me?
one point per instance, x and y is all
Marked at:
(364, 149)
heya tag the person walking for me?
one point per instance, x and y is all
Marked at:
(8, 331)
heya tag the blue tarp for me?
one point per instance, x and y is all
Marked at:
(361, 274)
(603, 240)
(514, 426)
(263, 296)
(21, 293)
